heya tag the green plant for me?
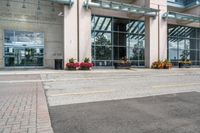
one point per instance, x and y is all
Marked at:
(86, 60)
(184, 55)
(72, 60)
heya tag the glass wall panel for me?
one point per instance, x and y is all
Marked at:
(115, 38)
(183, 39)
(23, 48)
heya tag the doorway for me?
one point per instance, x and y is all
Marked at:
(23, 48)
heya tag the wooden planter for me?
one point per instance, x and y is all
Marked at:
(122, 65)
(184, 65)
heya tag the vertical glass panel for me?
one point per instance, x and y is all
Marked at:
(187, 44)
(198, 32)
(172, 48)
(120, 39)
(181, 47)
(193, 55)
(103, 52)
(119, 53)
(121, 25)
(101, 23)
(190, 34)
(102, 38)
(133, 38)
(141, 41)
(8, 36)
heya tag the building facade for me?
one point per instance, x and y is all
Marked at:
(34, 33)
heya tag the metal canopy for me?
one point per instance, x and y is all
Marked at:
(182, 17)
(121, 7)
(65, 2)
(184, 3)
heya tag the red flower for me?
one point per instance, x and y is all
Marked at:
(86, 65)
(72, 65)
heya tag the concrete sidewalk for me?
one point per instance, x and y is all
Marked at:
(23, 107)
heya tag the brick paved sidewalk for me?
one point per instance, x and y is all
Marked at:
(23, 108)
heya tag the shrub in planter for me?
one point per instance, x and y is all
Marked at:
(86, 65)
(157, 65)
(72, 65)
(167, 64)
(162, 64)
(122, 64)
(185, 62)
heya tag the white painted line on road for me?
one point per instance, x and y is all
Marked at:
(90, 78)
(81, 93)
(176, 85)
(165, 75)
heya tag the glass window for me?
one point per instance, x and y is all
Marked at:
(120, 25)
(9, 36)
(23, 48)
(183, 39)
(101, 23)
(103, 52)
(115, 38)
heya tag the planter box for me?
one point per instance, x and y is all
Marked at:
(85, 68)
(71, 68)
(122, 65)
(183, 65)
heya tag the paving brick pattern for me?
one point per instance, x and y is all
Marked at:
(23, 108)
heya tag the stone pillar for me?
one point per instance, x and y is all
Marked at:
(70, 32)
(85, 46)
(156, 33)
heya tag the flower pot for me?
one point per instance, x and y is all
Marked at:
(184, 65)
(122, 65)
(168, 66)
(71, 68)
(85, 68)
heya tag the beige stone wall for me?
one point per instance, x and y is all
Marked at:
(85, 46)
(156, 33)
(70, 33)
(45, 20)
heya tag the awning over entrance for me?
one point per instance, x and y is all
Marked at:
(121, 7)
(182, 17)
(65, 2)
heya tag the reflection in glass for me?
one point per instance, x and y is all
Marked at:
(23, 48)
(114, 38)
(181, 39)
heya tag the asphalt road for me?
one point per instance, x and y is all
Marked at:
(172, 113)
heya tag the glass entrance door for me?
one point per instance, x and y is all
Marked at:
(23, 49)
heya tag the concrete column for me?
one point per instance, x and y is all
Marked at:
(70, 32)
(156, 33)
(85, 47)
